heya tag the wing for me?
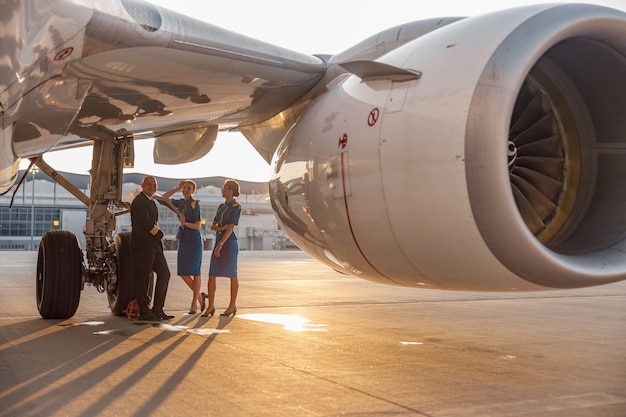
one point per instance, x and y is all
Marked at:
(71, 71)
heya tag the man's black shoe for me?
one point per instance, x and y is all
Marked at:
(149, 316)
(161, 314)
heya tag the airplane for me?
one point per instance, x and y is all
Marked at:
(485, 153)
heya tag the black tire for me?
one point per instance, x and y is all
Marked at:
(124, 291)
(59, 275)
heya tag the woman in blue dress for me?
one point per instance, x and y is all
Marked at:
(224, 256)
(189, 241)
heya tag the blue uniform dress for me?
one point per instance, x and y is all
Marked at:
(189, 240)
(226, 264)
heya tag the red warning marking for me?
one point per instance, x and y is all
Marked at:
(373, 116)
(61, 55)
(343, 141)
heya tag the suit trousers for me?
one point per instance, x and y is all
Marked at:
(145, 261)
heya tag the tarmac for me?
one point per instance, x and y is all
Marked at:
(308, 341)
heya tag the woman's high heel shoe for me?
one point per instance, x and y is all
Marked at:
(229, 313)
(209, 313)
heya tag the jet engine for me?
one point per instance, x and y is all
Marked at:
(489, 154)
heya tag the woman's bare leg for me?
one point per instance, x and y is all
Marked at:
(211, 289)
(195, 288)
(234, 289)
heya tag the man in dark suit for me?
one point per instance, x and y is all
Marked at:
(147, 251)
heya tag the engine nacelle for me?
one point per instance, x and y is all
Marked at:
(501, 168)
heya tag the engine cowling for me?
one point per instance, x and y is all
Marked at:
(501, 168)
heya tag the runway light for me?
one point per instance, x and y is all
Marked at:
(290, 323)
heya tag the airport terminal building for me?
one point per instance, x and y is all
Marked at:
(40, 204)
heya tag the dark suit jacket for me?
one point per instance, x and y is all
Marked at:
(144, 216)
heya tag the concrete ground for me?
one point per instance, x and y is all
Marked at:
(308, 341)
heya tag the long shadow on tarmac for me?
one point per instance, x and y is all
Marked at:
(30, 335)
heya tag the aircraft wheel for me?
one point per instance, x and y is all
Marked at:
(123, 292)
(59, 275)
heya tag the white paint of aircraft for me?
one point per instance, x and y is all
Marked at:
(485, 153)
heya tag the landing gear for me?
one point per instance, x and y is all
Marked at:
(108, 261)
(59, 275)
(60, 262)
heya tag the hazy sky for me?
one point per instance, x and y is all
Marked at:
(331, 26)
(319, 27)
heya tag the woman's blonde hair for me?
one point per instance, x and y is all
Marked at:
(232, 185)
(193, 183)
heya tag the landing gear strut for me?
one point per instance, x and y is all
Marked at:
(60, 269)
